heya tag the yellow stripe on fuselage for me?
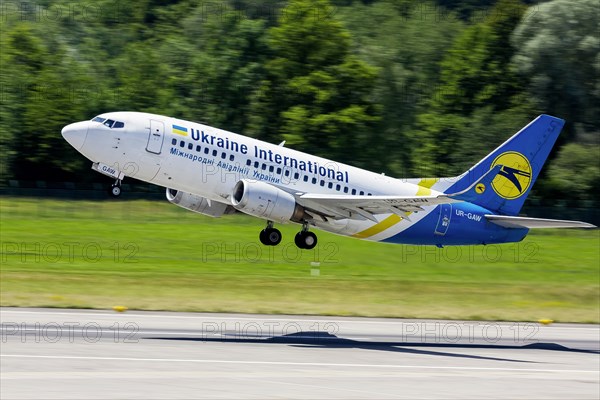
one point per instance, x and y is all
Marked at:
(378, 227)
(425, 186)
(424, 190)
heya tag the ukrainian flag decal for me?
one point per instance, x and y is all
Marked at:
(180, 130)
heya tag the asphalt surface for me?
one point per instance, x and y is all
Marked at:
(84, 354)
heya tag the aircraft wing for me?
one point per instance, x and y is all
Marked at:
(365, 207)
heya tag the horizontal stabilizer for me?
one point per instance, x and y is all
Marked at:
(532, 223)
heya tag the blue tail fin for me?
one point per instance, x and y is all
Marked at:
(522, 157)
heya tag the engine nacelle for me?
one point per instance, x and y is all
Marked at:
(266, 201)
(198, 204)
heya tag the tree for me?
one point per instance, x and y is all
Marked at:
(406, 43)
(575, 173)
(475, 74)
(558, 51)
(219, 67)
(42, 97)
(316, 94)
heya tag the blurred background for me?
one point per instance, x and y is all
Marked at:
(409, 88)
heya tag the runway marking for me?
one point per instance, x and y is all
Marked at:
(192, 334)
(371, 393)
(299, 318)
(300, 364)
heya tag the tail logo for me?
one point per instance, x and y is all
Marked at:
(514, 178)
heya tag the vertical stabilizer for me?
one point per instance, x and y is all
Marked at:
(522, 158)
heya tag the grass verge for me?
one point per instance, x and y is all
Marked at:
(153, 255)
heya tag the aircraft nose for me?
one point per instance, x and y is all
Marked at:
(75, 133)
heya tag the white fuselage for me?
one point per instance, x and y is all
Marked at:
(208, 162)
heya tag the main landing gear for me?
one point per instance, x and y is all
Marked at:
(115, 189)
(270, 236)
(304, 239)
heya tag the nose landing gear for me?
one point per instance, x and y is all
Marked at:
(115, 189)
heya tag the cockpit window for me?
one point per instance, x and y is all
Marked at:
(111, 123)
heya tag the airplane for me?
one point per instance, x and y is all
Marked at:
(215, 172)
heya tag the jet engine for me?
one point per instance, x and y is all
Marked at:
(266, 201)
(198, 204)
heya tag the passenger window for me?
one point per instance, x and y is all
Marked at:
(231, 157)
(256, 164)
(264, 166)
(362, 193)
(271, 168)
(338, 187)
(353, 191)
(182, 144)
(223, 155)
(296, 175)
(287, 172)
(190, 146)
(215, 153)
(345, 189)
(305, 178)
(206, 150)
(330, 185)
(248, 162)
(278, 171)
(314, 181)
(322, 182)
(174, 142)
(198, 148)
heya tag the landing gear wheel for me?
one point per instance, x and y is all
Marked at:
(305, 240)
(310, 240)
(299, 240)
(263, 237)
(270, 236)
(115, 190)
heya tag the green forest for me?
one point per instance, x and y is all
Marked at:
(410, 88)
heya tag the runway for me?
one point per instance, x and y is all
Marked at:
(86, 354)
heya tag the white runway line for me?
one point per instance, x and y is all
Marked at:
(299, 364)
(308, 318)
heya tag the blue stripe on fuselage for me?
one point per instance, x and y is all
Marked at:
(466, 226)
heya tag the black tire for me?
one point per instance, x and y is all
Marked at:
(299, 240)
(310, 240)
(263, 237)
(270, 236)
(273, 236)
(305, 240)
(115, 191)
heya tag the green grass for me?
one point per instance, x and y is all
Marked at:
(154, 255)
